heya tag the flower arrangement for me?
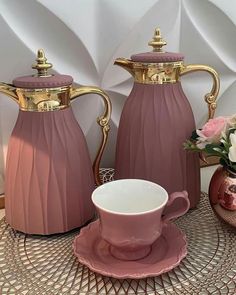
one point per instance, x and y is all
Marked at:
(216, 138)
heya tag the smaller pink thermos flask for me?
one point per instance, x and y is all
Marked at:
(157, 118)
(49, 175)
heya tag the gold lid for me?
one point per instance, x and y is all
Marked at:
(42, 66)
(157, 42)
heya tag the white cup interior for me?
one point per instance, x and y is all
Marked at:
(130, 196)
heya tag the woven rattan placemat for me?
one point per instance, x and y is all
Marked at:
(46, 265)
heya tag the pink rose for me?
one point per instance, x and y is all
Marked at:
(212, 131)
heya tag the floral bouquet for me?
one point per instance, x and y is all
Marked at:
(216, 138)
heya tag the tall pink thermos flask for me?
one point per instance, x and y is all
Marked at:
(157, 118)
(49, 176)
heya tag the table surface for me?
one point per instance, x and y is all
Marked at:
(46, 265)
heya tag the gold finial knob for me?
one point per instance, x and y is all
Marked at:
(157, 42)
(42, 66)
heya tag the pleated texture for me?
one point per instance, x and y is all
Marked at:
(155, 122)
(49, 177)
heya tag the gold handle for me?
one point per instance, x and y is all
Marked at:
(210, 98)
(103, 121)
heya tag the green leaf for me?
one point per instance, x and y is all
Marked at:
(194, 135)
(210, 150)
(234, 167)
(222, 162)
(189, 145)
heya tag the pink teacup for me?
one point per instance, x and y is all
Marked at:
(131, 215)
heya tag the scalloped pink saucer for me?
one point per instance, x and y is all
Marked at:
(167, 252)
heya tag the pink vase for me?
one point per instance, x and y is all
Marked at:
(222, 194)
(49, 178)
(149, 144)
(49, 175)
(157, 119)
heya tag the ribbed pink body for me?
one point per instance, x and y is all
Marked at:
(155, 122)
(49, 177)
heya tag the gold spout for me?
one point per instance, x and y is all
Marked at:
(127, 64)
(9, 90)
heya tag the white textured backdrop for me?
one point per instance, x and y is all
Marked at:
(82, 38)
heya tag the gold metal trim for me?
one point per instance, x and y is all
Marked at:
(157, 73)
(151, 73)
(210, 98)
(44, 100)
(38, 100)
(103, 122)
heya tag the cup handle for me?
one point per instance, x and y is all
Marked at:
(180, 211)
